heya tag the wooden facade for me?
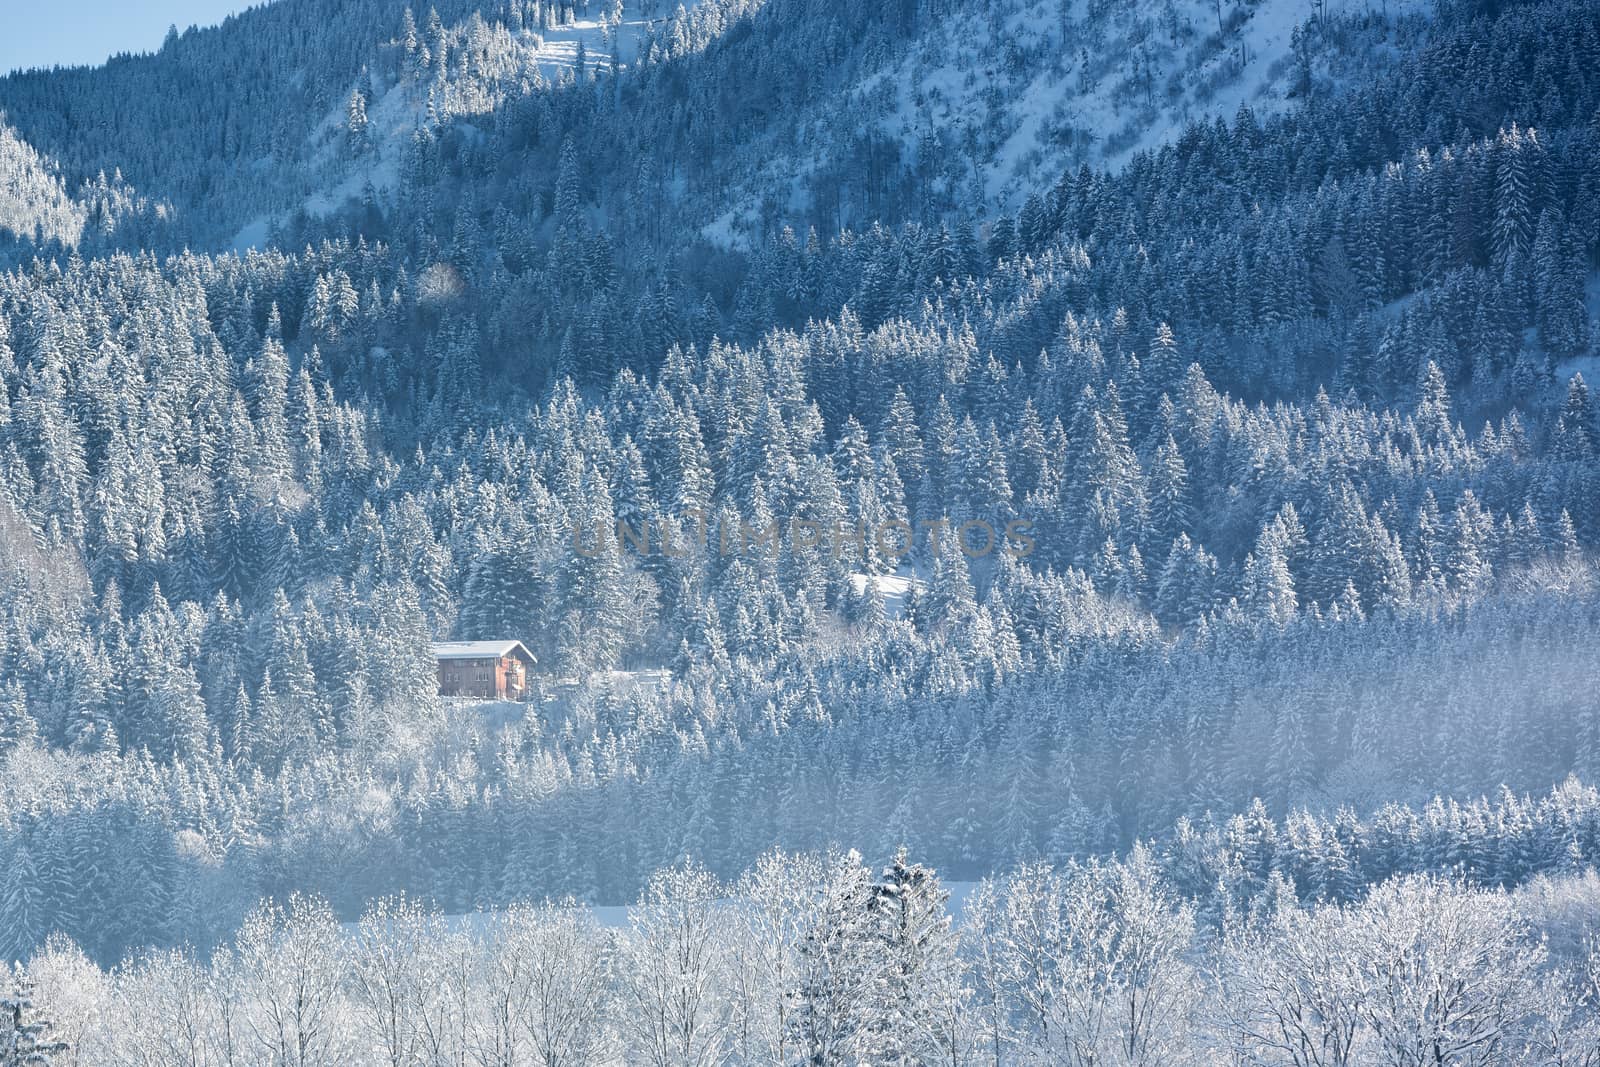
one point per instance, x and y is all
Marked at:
(485, 670)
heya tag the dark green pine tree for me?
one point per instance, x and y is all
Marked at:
(1186, 591)
(1511, 232)
(1163, 368)
(1169, 500)
(1559, 273)
(591, 614)
(27, 1036)
(22, 900)
(916, 952)
(17, 728)
(946, 603)
(1290, 762)
(1434, 425)
(1577, 434)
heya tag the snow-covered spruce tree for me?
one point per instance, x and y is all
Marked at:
(918, 1004)
(26, 1034)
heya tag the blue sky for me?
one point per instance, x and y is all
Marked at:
(37, 33)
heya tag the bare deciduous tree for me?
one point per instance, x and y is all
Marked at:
(673, 956)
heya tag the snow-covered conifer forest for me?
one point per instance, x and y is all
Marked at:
(1265, 731)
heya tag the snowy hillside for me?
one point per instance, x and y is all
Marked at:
(997, 100)
(1041, 86)
(33, 200)
(37, 212)
(982, 104)
(486, 66)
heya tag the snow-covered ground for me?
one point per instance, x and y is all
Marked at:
(558, 50)
(893, 588)
(616, 916)
(1021, 91)
(1062, 84)
(507, 64)
(619, 682)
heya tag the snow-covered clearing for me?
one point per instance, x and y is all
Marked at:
(893, 588)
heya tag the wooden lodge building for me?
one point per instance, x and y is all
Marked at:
(488, 670)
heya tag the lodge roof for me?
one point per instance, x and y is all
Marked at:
(479, 650)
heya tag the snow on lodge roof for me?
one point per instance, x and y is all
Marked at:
(478, 649)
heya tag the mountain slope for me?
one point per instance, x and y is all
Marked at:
(832, 115)
(992, 101)
(1274, 400)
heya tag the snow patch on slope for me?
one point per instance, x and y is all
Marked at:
(558, 48)
(894, 589)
